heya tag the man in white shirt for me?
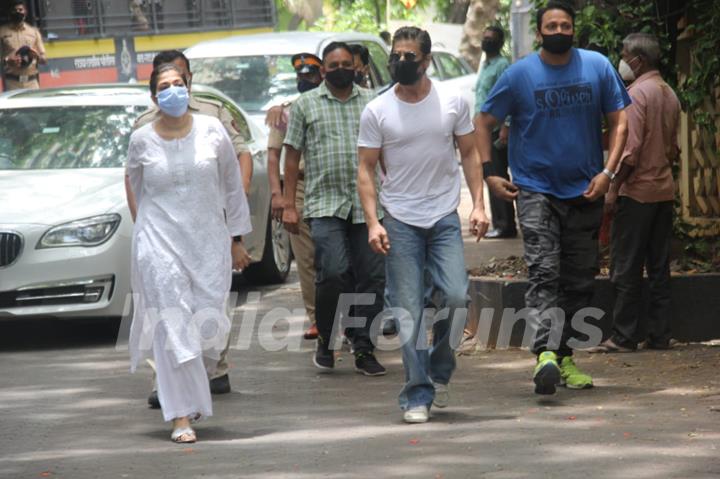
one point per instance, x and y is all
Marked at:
(414, 127)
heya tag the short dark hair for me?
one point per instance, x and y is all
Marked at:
(159, 70)
(169, 56)
(499, 33)
(15, 3)
(332, 46)
(415, 34)
(554, 5)
(362, 51)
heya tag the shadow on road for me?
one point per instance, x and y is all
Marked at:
(53, 333)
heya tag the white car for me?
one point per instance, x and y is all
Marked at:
(255, 70)
(65, 229)
(453, 73)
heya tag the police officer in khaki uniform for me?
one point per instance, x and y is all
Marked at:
(219, 380)
(22, 50)
(307, 68)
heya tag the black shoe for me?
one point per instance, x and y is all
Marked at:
(389, 328)
(323, 358)
(365, 363)
(153, 400)
(498, 234)
(220, 385)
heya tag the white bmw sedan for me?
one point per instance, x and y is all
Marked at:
(65, 228)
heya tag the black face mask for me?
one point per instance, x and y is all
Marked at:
(341, 77)
(491, 47)
(17, 17)
(557, 43)
(405, 72)
(305, 85)
(359, 78)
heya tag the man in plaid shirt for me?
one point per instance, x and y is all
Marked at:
(324, 125)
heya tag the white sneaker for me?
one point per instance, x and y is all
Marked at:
(442, 395)
(416, 415)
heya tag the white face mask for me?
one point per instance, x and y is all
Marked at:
(626, 73)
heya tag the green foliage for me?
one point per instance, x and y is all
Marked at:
(602, 25)
(704, 76)
(367, 16)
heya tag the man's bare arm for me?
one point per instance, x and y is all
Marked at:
(246, 168)
(368, 159)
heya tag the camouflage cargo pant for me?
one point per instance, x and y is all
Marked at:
(561, 251)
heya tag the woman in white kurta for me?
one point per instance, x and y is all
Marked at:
(192, 212)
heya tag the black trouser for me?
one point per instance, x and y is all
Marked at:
(641, 235)
(344, 263)
(561, 251)
(502, 211)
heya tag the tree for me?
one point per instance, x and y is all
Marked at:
(480, 14)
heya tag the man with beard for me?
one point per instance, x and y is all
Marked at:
(323, 125)
(22, 50)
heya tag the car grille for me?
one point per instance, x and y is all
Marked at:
(10, 247)
(78, 292)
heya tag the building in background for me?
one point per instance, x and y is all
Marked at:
(102, 41)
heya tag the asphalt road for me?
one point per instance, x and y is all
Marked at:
(69, 408)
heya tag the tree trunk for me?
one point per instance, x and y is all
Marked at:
(458, 12)
(480, 15)
(308, 10)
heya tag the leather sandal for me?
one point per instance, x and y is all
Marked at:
(183, 435)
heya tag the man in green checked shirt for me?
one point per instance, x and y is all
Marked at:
(324, 125)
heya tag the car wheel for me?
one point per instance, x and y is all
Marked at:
(274, 266)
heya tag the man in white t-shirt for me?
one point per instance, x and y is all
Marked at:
(414, 127)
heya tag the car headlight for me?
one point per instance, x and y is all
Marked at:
(87, 232)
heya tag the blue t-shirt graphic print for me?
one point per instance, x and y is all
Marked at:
(555, 143)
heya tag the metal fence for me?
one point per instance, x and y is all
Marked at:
(61, 19)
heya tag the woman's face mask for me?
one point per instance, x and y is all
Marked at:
(174, 100)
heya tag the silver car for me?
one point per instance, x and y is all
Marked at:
(65, 228)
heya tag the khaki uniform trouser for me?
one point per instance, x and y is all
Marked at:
(304, 251)
(16, 85)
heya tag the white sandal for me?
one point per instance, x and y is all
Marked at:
(178, 433)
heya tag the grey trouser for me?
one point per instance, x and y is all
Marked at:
(561, 251)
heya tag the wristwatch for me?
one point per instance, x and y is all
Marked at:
(609, 174)
(237, 239)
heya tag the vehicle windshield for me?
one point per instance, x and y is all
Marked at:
(254, 82)
(51, 138)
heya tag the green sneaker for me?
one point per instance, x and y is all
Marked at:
(547, 373)
(572, 377)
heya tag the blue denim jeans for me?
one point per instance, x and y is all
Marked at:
(437, 251)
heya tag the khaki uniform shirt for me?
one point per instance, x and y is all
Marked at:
(276, 138)
(12, 39)
(203, 107)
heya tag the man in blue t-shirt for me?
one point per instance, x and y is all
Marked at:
(557, 99)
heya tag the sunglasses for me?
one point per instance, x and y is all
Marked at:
(408, 56)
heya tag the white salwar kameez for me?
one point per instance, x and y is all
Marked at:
(190, 203)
